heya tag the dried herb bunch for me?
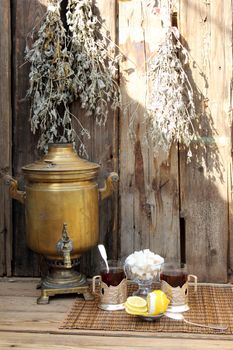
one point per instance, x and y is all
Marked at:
(95, 63)
(51, 78)
(64, 67)
(171, 109)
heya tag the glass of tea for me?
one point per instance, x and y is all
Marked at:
(113, 286)
(174, 283)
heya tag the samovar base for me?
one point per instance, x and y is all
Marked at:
(63, 281)
(46, 293)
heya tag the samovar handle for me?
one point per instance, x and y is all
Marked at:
(108, 188)
(13, 189)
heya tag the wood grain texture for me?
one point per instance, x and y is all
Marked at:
(148, 189)
(230, 206)
(52, 341)
(26, 15)
(5, 138)
(204, 182)
(103, 148)
(26, 325)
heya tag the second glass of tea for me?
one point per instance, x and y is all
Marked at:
(174, 283)
(113, 286)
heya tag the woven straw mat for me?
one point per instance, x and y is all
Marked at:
(211, 305)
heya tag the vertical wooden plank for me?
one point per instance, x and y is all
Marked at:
(204, 183)
(5, 137)
(230, 211)
(26, 14)
(103, 149)
(230, 181)
(149, 201)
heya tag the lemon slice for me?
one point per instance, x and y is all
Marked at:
(136, 305)
(136, 310)
(136, 302)
(130, 312)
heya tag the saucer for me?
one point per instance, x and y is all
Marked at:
(151, 317)
(146, 316)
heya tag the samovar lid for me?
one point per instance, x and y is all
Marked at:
(61, 159)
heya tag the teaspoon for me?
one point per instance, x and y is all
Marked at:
(103, 253)
(180, 317)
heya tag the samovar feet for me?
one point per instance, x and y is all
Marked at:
(39, 284)
(46, 293)
(43, 299)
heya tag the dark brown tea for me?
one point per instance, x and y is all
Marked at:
(113, 277)
(174, 278)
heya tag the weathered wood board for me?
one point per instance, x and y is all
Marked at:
(102, 148)
(39, 341)
(5, 138)
(204, 182)
(26, 15)
(149, 198)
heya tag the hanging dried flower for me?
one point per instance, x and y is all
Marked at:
(171, 108)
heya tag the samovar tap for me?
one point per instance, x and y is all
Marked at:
(65, 247)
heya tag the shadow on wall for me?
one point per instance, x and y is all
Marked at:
(203, 211)
(205, 150)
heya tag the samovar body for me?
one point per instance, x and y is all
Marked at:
(62, 212)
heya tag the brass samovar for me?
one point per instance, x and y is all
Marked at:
(62, 215)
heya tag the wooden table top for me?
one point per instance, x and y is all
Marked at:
(27, 325)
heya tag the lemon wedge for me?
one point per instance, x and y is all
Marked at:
(157, 302)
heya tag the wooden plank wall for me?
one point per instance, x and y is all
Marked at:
(103, 149)
(177, 210)
(26, 15)
(196, 218)
(204, 183)
(148, 190)
(5, 138)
